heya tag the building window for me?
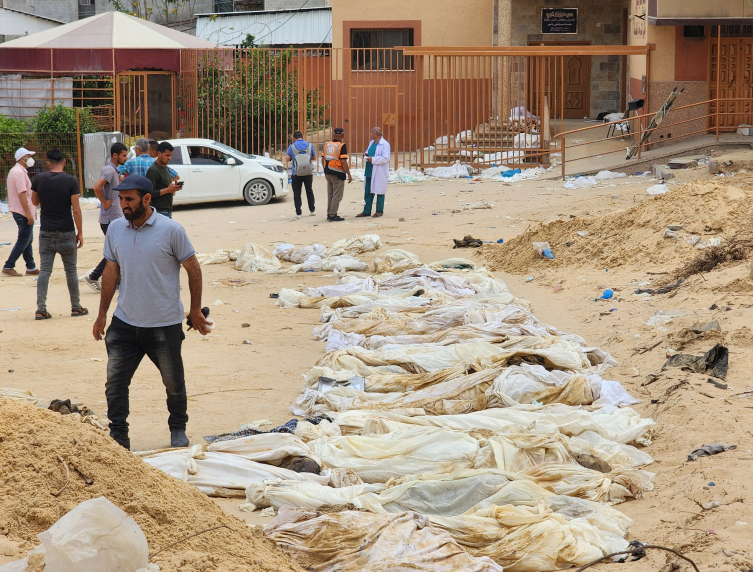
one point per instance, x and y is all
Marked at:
(223, 6)
(733, 31)
(693, 32)
(86, 8)
(374, 49)
(249, 5)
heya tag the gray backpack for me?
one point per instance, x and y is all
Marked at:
(302, 162)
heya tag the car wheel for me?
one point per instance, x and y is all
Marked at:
(258, 192)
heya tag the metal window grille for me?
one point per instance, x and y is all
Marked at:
(734, 31)
(372, 49)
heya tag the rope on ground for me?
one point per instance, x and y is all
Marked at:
(639, 549)
(67, 477)
(153, 554)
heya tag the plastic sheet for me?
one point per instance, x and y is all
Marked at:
(295, 255)
(356, 245)
(95, 535)
(219, 257)
(395, 260)
(455, 171)
(580, 183)
(352, 541)
(222, 474)
(256, 258)
(334, 263)
(621, 425)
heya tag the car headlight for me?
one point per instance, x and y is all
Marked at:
(275, 168)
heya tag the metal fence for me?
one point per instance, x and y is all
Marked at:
(436, 106)
(23, 94)
(68, 143)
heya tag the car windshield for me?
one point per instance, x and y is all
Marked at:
(231, 150)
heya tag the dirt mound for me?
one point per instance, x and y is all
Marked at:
(37, 449)
(633, 236)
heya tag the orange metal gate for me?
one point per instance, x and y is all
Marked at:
(145, 105)
(436, 106)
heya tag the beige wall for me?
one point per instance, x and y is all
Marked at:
(704, 9)
(663, 58)
(443, 22)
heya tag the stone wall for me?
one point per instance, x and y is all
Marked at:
(599, 22)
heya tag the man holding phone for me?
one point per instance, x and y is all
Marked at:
(161, 179)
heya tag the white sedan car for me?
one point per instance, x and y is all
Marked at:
(213, 171)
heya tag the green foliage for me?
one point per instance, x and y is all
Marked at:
(12, 134)
(249, 41)
(61, 119)
(252, 101)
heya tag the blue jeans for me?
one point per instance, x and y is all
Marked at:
(64, 244)
(126, 347)
(23, 244)
(168, 214)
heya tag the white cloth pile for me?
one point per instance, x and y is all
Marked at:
(452, 419)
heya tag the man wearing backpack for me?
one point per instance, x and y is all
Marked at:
(302, 155)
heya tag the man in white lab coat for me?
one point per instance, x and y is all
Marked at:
(377, 173)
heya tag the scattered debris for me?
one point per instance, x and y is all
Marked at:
(714, 362)
(701, 328)
(716, 384)
(662, 290)
(468, 242)
(708, 450)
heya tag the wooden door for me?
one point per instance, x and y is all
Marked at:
(551, 73)
(731, 67)
(577, 78)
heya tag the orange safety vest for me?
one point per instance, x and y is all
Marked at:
(332, 158)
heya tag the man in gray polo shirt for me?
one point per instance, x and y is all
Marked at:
(104, 188)
(146, 250)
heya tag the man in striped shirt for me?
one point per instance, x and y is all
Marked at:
(140, 164)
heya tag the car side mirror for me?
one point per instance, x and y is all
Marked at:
(230, 161)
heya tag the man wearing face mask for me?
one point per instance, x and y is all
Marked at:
(146, 250)
(24, 213)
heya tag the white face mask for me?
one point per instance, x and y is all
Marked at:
(30, 162)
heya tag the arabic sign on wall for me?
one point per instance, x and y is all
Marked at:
(559, 20)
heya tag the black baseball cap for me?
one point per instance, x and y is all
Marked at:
(135, 183)
(339, 130)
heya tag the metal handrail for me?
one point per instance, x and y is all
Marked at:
(716, 114)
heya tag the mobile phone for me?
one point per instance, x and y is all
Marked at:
(179, 183)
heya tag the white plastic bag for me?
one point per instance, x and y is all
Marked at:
(659, 189)
(96, 535)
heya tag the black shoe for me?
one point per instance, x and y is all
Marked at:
(124, 442)
(178, 438)
(335, 218)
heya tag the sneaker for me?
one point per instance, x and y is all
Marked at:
(93, 284)
(312, 213)
(297, 217)
(178, 438)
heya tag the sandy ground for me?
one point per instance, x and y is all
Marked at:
(230, 383)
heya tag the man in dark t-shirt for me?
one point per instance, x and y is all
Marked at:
(159, 175)
(58, 193)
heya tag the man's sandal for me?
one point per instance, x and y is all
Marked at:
(42, 315)
(79, 311)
